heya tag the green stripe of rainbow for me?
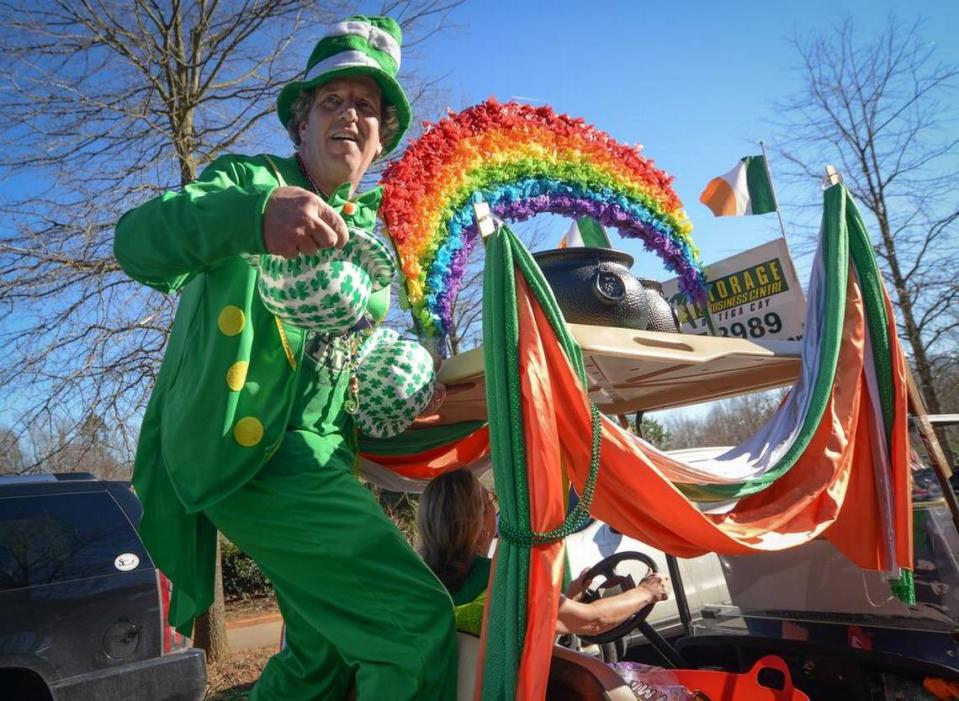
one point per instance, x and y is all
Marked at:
(522, 161)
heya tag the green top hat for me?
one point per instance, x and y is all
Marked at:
(357, 46)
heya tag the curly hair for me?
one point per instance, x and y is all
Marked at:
(300, 111)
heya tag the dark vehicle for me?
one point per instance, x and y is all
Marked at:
(82, 608)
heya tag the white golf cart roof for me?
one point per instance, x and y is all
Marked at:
(633, 370)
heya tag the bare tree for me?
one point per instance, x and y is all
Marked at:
(728, 422)
(466, 331)
(880, 111)
(105, 104)
(109, 103)
(11, 455)
(60, 446)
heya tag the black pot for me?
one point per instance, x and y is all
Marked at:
(594, 286)
(662, 315)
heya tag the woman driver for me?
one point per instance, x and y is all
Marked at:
(456, 521)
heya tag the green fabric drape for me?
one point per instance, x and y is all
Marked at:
(505, 257)
(836, 263)
(507, 618)
(845, 240)
(419, 440)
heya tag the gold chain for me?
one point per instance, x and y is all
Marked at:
(285, 343)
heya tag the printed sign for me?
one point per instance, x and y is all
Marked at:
(754, 295)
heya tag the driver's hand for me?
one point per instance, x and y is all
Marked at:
(656, 585)
(575, 588)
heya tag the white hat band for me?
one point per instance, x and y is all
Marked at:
(344, 59)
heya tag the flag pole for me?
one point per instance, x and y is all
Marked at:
(772, 189)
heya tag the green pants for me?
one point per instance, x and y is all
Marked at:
(360, 606)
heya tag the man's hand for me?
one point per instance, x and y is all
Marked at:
(436, 401)
(298, 222)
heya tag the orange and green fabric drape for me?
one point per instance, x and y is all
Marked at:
(832, 462)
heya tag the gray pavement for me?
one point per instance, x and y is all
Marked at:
(265, 633)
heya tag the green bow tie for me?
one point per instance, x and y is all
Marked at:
(364, 206)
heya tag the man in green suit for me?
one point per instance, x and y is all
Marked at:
(246, 433)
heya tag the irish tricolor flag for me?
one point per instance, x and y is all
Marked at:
(745, 189)
(585, 231)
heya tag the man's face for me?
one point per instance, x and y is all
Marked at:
(341, 135)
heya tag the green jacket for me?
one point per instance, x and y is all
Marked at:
(224, 392)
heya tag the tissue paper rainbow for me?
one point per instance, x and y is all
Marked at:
(522, 161)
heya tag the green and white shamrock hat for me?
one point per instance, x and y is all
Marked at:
(395, 383)
(357, 46)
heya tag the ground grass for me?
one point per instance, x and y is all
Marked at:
(233, 679)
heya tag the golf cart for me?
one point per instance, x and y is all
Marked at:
(831, 465)
(832, 629)
(835, 627)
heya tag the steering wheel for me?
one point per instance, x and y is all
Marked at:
(607, 568)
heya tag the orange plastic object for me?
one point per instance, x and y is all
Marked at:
(941, 689)
(726, 686)
(349, 207)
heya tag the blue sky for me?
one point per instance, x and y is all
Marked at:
(694, 82)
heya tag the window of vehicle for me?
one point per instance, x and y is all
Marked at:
(60, 537)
